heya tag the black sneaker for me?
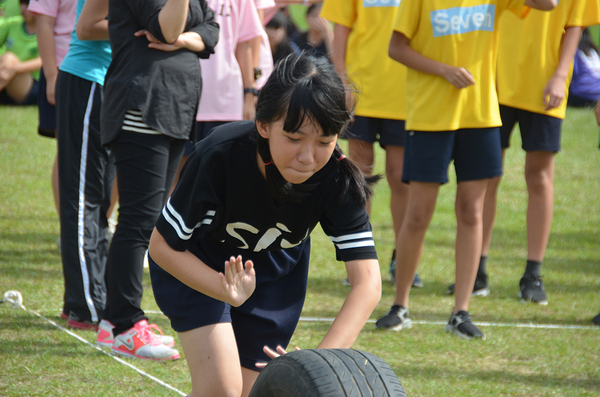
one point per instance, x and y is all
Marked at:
(460, 324)
(481, 287)
(395, 319)
(532, 290)
(417, 283)
(596, 320)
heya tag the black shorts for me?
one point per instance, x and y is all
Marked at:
(539, 132)
(371, 129)
(47, 112)
(476, 153)
(269, 317)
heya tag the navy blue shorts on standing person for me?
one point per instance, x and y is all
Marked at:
(371, 129)
(261, 321)
(539, 132)
(47, 112)
(476, 154)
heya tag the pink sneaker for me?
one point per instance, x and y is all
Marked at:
(75, 322)
(141, 342)
(105, 335)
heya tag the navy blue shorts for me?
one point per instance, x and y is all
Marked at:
(269, 317)
(539, 132)
(30, 99)
(371, 129)
(203, 129)
(47, 112)
(476, 153)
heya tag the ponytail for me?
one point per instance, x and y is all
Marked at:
(352, 180)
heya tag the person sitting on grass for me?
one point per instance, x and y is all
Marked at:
(230, 252)
(19, 60)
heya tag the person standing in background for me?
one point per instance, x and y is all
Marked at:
(533, 84)
(361, 36)
(55, 21)
(86, 173)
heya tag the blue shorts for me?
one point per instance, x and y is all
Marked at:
(371, 129)
(30, 99)
(476, 153)
(269, 317)
(539, 132)
(203, 129)
(47, 112)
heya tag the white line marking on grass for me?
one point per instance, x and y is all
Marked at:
(139, 371)
(485, 324)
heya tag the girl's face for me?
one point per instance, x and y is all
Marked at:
(298, 155)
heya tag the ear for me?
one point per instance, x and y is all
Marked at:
(263, 129)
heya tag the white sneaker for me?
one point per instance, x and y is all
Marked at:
(105, 335)
(141, 342)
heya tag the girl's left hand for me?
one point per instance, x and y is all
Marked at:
(153, 42)
(272, 354)
(554, 93)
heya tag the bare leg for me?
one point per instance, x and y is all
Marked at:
(212, 357)
(394, 164)
(539, 176)
(470, 197)
(362, 154)
(409, 245)
(489, 211)
(19, 87)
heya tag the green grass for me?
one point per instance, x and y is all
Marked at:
(38, 359)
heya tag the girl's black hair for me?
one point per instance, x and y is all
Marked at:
(587, 44)
(306, 88)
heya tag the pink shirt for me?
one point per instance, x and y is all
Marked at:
(64, 13)
(222, 86)
(266, 58)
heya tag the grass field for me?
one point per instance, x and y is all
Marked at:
(529, 351)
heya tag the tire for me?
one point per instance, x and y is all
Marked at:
(327, 373)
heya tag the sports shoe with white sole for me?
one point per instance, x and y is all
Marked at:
(481, 287)
(141, 342)
(395, 319)
(460, 324)
(105, 335)
(532, 290)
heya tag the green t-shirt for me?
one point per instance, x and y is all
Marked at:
(14, 38)
(10, 8)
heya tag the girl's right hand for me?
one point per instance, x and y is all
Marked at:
(459, 77)
(239, 281)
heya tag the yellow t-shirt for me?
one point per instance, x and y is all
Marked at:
(462, 33)
(525, 69)
(379, 79)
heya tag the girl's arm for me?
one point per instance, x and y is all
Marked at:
(243, 54)
(401, 51)
(46, 48)
(339, 44)
(172, 18)
(189, 40)
(544, 5)
(554, 92)
(234, 286)
(365, 279)
(597, 112)
(92, 23)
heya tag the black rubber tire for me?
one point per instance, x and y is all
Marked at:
(327, 373)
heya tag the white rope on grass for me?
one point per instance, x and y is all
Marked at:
(16, 300)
